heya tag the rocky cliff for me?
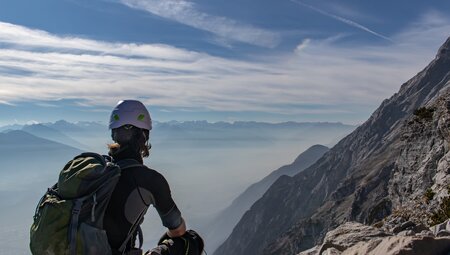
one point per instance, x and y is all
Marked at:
(352, 238)
(220, 227)
(384, 166)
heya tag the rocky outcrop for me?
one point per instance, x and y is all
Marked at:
(398, 245)
(384, 167)
(353, 238)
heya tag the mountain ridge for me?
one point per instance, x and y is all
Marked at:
(350, 182)
(223, 223)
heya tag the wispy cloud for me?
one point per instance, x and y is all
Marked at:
(343, 20)
(320, 78)
(300, 47)
(185, 12)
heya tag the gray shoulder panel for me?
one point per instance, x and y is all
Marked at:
(134, 204)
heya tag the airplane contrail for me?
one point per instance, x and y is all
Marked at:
(343, 20)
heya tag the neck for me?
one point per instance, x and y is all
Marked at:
(125, 152)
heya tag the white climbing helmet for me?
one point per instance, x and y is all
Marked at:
(130, 112)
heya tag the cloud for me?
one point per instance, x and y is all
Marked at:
(323, 78)
(343, 20)
(302, 45)
(185, 12)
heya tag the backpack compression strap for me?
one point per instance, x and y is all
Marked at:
(124, 164)
(74, 226)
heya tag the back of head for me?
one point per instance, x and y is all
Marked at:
(130, 125)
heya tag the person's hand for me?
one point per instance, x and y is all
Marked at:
(162, 249)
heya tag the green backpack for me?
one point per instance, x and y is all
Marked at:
(69, 217)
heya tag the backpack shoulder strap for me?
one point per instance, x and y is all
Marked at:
(128, 163)
(124, 164)
(132, 230)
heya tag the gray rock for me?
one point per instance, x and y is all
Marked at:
(408, 225)
(349, 234)
(425, 233)
(397, 229)
(399, 245)
(406, 233)
(313, 251)
(442, 233)
(419, 228)
(443, 226)
(331, 251)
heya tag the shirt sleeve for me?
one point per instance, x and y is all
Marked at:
(164, 204)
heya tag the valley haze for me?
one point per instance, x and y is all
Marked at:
(206, 164)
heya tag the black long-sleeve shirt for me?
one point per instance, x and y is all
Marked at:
(138, 187)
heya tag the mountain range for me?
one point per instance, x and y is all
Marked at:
(385, 166)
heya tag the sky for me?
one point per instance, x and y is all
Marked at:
(258, 60)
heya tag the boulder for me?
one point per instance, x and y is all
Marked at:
(399, 245)
(443, 226)
(349, 234)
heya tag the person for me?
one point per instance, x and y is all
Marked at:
(139, 186)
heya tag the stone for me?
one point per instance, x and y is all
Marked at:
(331, 251)
(425, 233)
(313, 251)
(408, 225)
(399, 245)
(406, 233)
(443, 226)
(350, 233)
(419, 228)
(443, 232)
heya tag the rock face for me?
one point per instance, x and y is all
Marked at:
(222, 225)
(386, 165)
(402, 246)
(353, 238)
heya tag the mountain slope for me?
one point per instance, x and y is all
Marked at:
(350, 182)
(222, 225)
(22, 151)
(49, 133)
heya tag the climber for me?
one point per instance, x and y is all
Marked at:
(138, 186)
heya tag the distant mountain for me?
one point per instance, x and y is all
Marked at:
(10, 127)
(245, 124)
(64, 126)
(77, 127)
(52, 134)
(221, 226)
(387, 164)
(21, 152)
(247, 131)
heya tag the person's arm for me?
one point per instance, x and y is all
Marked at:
(167, 209)
(179, 231)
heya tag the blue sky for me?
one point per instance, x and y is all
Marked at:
(215, 60)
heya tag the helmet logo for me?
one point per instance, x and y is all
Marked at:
(141, 117)
(116, 117)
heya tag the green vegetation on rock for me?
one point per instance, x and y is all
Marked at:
(424, 113)
(443, 212)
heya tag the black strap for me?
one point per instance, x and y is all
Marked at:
(74, 227)
(141, 237)
(128, 163)
(132, 231)
(124, 164)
